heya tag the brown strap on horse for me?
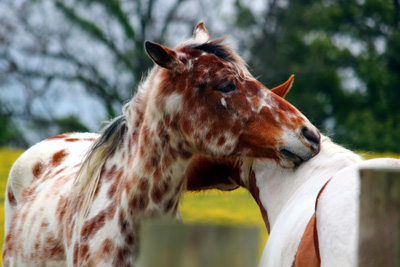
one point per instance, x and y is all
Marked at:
(308, 251)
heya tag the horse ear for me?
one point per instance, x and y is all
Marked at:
(200, 33)
(284, 88)
(164, 57)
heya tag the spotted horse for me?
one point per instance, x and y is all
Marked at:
(311, 211)
(77, 199)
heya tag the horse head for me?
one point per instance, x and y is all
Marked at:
(226, 173)
(205, 92)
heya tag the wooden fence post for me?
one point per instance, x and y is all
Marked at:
(379, 236)
(166, 244)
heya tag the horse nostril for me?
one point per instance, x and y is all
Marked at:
(312, 136)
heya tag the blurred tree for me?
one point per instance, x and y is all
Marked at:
(345, 55)
(9, 133)
(54, 52)
(346, 58)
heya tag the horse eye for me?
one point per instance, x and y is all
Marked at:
(227, 87)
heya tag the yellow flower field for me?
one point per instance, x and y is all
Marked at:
(7, 158)
(211, 207)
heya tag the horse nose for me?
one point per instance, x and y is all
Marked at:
(313, 137)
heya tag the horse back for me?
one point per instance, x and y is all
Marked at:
(38, 181)
(338, 212)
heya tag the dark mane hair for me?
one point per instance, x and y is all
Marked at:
(215, 47)
(111, 133)
(89, 174)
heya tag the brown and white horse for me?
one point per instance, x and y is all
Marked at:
(65, 208)
(311, 211)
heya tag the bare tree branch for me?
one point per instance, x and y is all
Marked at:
(53, 54)
(169, 18)
(95, 32)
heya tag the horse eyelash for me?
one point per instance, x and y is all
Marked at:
(227, 87)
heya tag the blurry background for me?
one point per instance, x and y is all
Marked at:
(69, 65)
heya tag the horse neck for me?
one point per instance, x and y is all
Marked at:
(153, 159)
(279, 188)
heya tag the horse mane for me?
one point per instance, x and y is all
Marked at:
(89, 174)
(215, 47)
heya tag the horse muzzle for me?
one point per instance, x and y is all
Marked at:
(300, 149)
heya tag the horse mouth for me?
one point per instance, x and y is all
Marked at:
(292, 157)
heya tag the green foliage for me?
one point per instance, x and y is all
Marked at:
(370, 133)
(244, 16)
(6, 131)
(324, 43)
(71, 124)
(66, 124)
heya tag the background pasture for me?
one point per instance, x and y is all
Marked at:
(69, 65)
(209, 207)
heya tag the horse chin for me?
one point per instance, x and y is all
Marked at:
(289, 159)
(284, 163)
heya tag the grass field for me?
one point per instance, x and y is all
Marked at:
(211, 207)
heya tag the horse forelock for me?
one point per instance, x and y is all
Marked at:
(222, 50)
